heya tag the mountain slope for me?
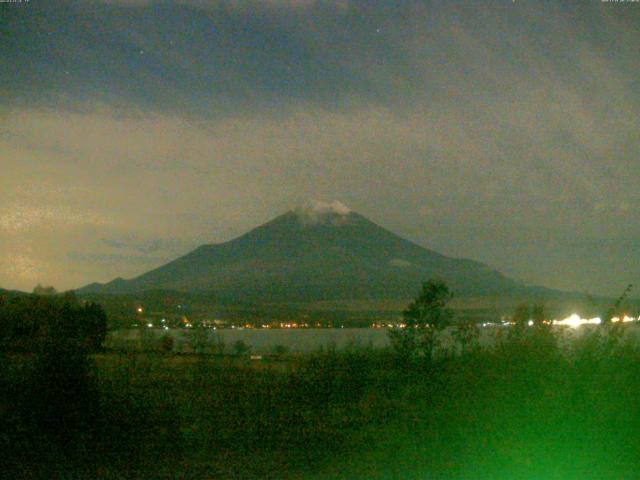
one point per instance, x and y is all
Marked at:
(314, 254)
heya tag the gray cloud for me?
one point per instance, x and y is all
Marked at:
(114, 260)
(168, 247)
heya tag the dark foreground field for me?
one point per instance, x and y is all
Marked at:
(522, 409)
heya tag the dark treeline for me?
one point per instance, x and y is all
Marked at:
(30, 323)
(536, 403)
(48, 401)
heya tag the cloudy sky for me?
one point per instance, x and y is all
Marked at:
(132, 131)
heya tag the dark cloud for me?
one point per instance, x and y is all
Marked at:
(169, 247)
(114, 259)
(218, 58)
(504, 132)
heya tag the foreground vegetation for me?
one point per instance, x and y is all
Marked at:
(537, 404)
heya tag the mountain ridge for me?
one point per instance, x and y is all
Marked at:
(326, 252)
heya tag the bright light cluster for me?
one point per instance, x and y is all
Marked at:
(574, 321)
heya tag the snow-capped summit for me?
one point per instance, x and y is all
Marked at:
(313, 213)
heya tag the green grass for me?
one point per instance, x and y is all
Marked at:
(521, 410)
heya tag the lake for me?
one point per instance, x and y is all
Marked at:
(302, 340)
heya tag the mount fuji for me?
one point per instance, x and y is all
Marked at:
(314, 253)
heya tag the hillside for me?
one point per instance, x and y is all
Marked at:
(326, 253)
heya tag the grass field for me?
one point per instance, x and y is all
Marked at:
(522, 409)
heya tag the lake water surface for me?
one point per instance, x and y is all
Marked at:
(305, 340)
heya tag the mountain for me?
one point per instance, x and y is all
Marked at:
(324, 252)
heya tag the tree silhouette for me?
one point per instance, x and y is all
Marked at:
(423, 319)
(520, 319)
(40, 290)
(617, 309)
(538, 314)
(241, 348)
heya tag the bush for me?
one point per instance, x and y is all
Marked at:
(241, 348)
(166, 344)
